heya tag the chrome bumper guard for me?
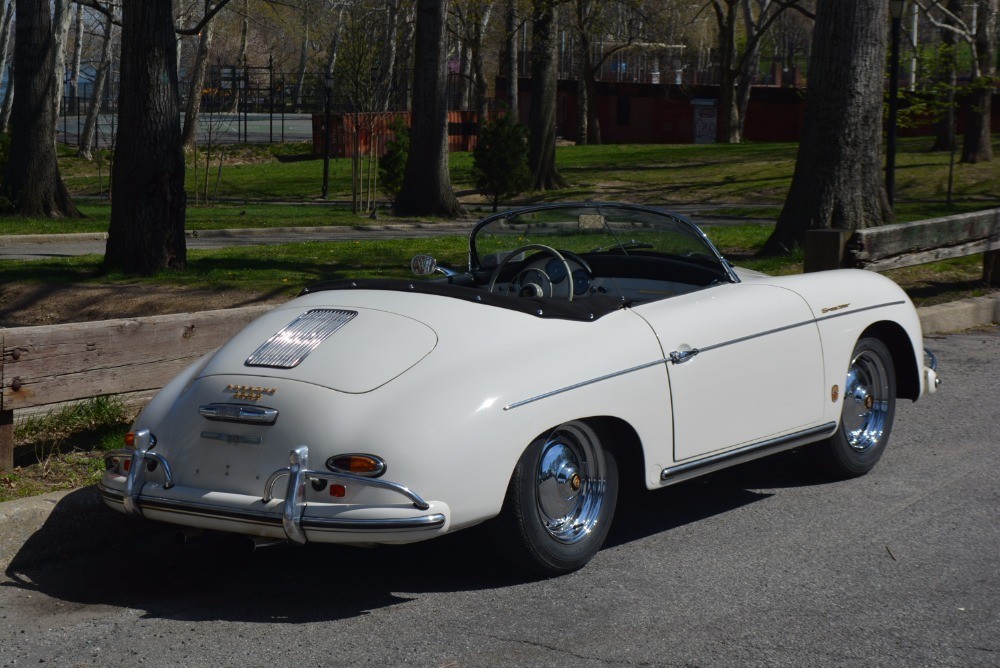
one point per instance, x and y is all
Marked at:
(139, 456)
(931, 378)
(298, 473)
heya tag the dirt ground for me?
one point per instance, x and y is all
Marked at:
(27, 304)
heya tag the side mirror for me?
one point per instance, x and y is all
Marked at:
(423, 265)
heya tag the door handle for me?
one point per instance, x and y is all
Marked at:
(681, 356)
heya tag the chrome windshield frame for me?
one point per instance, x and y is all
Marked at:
(475, 261)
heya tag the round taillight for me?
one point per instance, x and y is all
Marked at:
(369, 466)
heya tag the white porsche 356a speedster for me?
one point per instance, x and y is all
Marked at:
(584, 347)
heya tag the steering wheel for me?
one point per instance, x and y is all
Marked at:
(539, 247)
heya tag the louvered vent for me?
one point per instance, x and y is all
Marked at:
(287, 348)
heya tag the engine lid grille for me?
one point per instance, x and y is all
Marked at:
(287, 348)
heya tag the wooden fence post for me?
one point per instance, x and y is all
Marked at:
(991, 268)
(6, 440)
(824, 249)
(6, 421)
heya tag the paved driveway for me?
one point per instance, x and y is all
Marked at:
(764, 565)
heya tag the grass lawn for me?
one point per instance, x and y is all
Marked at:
(280, 185)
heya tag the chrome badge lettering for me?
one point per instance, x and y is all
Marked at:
(234, 439)
(828, 309)
(250, 392)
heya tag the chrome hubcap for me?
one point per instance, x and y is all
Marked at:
(570, 484)
(866, 402)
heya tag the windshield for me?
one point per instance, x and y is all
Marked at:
(591, 229)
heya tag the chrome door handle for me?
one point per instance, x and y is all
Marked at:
(681, 356)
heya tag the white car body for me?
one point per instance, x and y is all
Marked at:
(449, 392)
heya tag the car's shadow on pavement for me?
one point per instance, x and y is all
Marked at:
(218, 577)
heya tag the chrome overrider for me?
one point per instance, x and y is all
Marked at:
(142, 459)
(298, 473)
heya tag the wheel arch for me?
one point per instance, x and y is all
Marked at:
(901, 348)
(622, 438)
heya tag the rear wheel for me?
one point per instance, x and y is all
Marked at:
(560, 501)
(866, 415)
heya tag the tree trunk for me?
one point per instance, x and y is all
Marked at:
(303, 56)
(148, 198)
(426, 185)
(100, 81)
(61, 18)
(31, 180)
(729, 124)
(944, 130)
(511, 62)
(976, 145)
(74, 80)
(189, 135)
(838, 180)
(4, 43)
(542, 118)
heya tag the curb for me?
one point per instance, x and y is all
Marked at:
(60, 524)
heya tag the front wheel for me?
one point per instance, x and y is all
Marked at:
(867, 413)
(559, 503)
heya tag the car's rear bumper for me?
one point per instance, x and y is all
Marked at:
(265, 516)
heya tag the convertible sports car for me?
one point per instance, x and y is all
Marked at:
(585, 346)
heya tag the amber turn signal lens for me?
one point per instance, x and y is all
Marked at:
(367, 465)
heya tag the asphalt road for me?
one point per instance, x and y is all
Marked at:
(765, 565)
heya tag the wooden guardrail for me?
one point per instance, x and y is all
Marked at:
(909, 244)
(50, 364)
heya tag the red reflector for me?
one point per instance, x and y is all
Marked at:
(130, 440)
(127, 464)
(338, 491)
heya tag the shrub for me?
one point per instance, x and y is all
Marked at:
(500, 159)
(392, 165)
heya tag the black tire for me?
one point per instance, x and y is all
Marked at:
(868, 409)
(560, 502)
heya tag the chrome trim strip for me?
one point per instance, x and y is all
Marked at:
(795, 325)
(351, 478)
(746, 453)
(678, 358)
(434, 521)
(518, 404)
(263, 518)
(293, 343)
(238, 413)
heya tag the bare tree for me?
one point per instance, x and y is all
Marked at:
(976, 145)
(427, 184)
(594, 20)
(838, 181)
(87, 136)
(31, 182)
(981, 36)
(74, 78)
(511, 27)
(472, 18)
(738, 62)
(542, 117)
(189, 135)
(8, 97)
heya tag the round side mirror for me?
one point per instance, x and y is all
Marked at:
(423, 265)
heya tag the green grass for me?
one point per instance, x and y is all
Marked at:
(751, 179)
(63, 448)
(281, 268)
